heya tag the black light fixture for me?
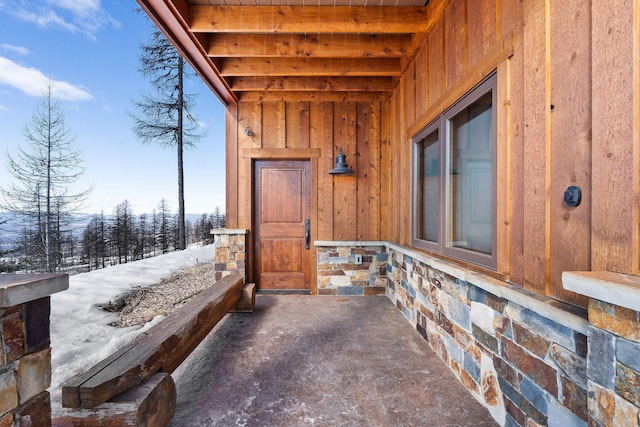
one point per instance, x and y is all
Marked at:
(341, 166)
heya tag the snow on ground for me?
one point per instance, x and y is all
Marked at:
(80, 331)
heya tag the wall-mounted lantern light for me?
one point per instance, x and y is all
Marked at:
(341, 166)
(248, 131)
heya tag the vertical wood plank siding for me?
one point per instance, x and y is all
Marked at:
(541, 151)
(535, 110)
(570, 138)
(615, 136)
(348, 206)
(567, 114)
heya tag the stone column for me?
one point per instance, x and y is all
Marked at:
(25, 353)
(231, 252)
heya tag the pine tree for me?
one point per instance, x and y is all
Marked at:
(143, 235)
(164, 226)
(123, 232)
(153, 234)
(203, 227)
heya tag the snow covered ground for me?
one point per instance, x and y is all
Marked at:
(80, 331)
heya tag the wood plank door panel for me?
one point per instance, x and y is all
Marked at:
(282, 206)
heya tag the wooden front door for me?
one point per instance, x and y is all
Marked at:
(282, 195)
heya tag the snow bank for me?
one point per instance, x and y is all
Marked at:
(80, 331)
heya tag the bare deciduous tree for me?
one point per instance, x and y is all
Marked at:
(43, 175)
(164, 117)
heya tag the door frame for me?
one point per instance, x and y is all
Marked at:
(250, 156)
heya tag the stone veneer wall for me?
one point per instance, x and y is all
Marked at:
(25, 355)
(231, 252)
(532, 361)
(338, 274)
(521, 357)
(614, 365)
(613, 362)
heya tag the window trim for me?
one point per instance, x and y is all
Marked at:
(443, 126)
(416, 143)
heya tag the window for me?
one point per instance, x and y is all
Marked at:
(454, 179)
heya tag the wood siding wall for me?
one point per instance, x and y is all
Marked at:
(568, 114)
(344, 207)
(555, 127)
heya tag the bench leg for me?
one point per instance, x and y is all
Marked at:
(247, 299)
(151, 404)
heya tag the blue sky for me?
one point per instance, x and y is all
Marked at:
(89, 50)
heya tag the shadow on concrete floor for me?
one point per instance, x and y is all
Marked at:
(324, 361)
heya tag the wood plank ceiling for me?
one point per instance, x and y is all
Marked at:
(295, 49)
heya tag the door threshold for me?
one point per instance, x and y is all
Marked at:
(283, 292)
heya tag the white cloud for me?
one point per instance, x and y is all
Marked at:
(77, 16)
(3, 108)
(33, 82)
(79, 7)
(20, 50)
(45, 18)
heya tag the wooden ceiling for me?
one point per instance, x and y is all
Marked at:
(294, 49)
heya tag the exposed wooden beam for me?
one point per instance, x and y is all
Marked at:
(309, 45)
(346, 84)
(313, 96)
(309, 19)
(310, 67)
(169, 18)
(436, 10)
(281, 153)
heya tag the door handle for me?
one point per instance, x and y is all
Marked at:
(307, 233)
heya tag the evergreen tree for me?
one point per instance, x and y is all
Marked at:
(89, 243)
(123, 232)
(143, 235)
(203, 229)
(164, 226)
(153, 233)
(101, 241)
(219, 218)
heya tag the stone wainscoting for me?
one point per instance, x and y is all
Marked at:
(351, 268)
(613, 363)
(532, 361)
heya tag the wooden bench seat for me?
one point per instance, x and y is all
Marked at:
(160, 349)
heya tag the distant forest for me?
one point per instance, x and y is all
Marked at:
(102, 240)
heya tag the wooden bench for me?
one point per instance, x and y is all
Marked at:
(160, 349)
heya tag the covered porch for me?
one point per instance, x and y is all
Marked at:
(488, 142)
(528, 293)
(331, 361)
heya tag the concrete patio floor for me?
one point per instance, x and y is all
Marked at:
(320, 360)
